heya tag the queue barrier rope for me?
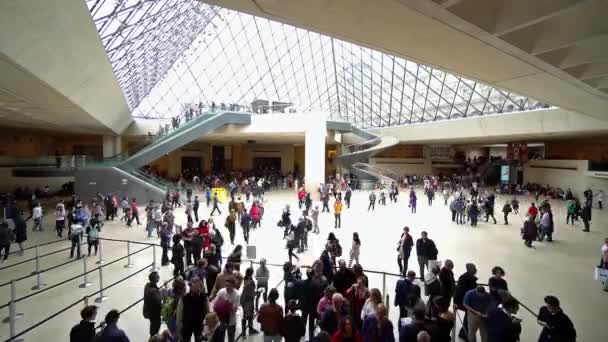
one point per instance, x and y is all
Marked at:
(59, 312)
(38, 245)
(72, 278)
(40, 256)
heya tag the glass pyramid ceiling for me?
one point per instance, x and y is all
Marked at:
(172, 55)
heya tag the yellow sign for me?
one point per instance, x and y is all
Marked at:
(222, 194)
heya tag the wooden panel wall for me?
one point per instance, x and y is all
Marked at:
(579, 149)
(402, 151)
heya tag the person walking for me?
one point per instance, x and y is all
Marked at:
(153, 303)
(5, 241)
(426, 251)
(413, 201)
(466, 282)
(245, 225)
(315, 219)
(37, 215)
(216, 205)
(570, 211)
(355, 250)
(20, 230)
(230, 296)
(529, 231)
(372, 202)
(191, 312)
(347, 196)
(337, 213)
(325, 200)
(506, 210)
(230, 224)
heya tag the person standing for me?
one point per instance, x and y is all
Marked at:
(315, 219)
(406, 243)
(262, 274)
(446, 281)
(557, 326)
(134, 213)
(270, 317)
(93, 230)
(231, 225)
(191, 312)
(372, 202)
(293, 327)
(76, 231)
(195, 205)
(413, 201)
(20, 230)
(506, 210)
(5, 241)
(586, 216)
(177, 256)
(466, 282)
(248, 303)
(337, 213)
(529, 231)
(477, 303)
(570, 211)
(153, 303)
(111, 332)
(600, 199)
(426, 251)
(60, 218)
(325, 200)
(378, 328)
(533, 211)
(502, 325)
(546, 225)
(85, 330)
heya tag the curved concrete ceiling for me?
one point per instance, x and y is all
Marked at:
(55, 72)
(552, 50)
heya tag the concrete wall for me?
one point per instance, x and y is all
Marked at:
(8, 183)
(565, 174)
(404, 166)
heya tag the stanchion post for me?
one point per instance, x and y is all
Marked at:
(153, 268)
(39, 283)
(12, 318)
(455, 322)
(18, 315)
(100, 254)
(129, 264)
(85, 281)
(384, 284)
(101, 297)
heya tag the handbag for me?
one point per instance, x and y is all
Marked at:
(601, 274)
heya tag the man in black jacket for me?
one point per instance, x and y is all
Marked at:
(191, 312)
(85, 330)
(404, 288)
(426, 251)
(557, 326)
(310, 294)
(153, 303)
(344, 278)
(467, 281)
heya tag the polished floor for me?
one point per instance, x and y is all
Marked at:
(563, 268)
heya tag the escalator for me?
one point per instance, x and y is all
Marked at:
(122, 174)
(356, 157)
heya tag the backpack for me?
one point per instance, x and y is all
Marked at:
(338, 249)
(167, 309)
(93, 233)
(223, 309)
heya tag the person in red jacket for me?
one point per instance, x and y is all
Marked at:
(532, 211)
(301, 196)
(347, 331)
(255, 214)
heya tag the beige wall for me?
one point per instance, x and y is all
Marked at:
(565, 174)
(9, 183)
(401, 166)
(285, 152)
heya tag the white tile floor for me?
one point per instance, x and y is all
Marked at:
(563, 268)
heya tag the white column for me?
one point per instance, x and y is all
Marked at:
(314, 153)
(112, 145)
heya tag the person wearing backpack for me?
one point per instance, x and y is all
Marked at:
(153, 303)
(93, 230)
(270, 317)
(76, 231)
(293, 327)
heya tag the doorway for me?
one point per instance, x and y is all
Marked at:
(219, 159)
(192, 165)
(265, 165)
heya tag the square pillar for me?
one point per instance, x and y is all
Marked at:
(112, 145)
(314, 154)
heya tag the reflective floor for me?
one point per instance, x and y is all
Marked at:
(563, 268)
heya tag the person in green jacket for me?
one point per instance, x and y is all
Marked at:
(571, 211)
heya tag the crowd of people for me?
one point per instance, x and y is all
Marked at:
(334, 301)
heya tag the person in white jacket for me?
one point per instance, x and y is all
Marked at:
(37, 217)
